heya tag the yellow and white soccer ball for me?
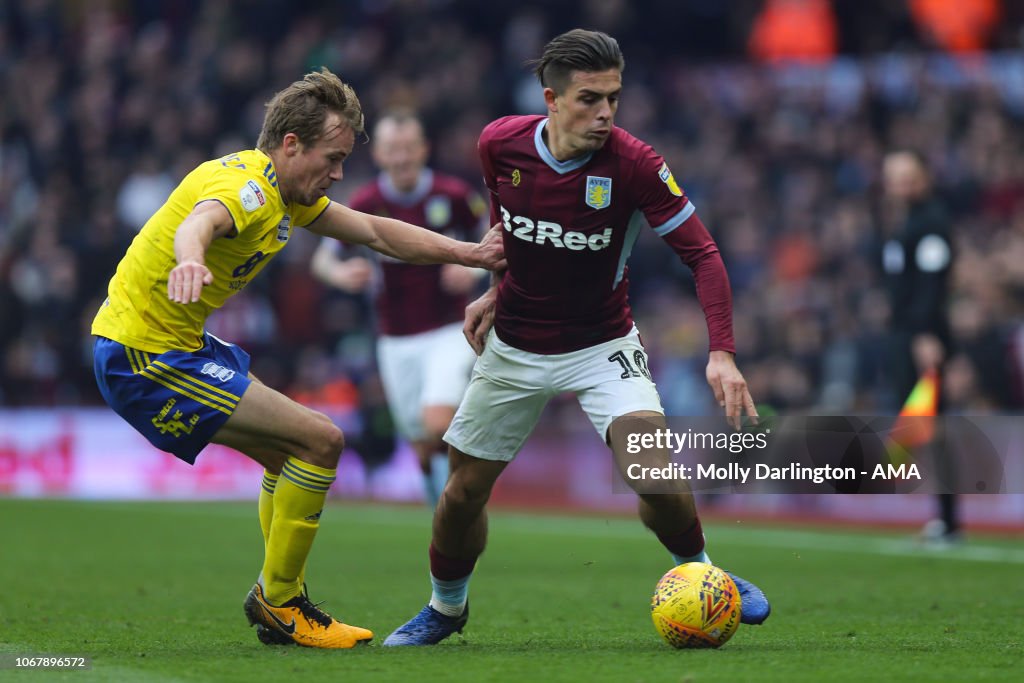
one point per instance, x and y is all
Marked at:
(696, 605)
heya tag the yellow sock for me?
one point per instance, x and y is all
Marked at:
(266, 510)
(267, 504)
(298, 501)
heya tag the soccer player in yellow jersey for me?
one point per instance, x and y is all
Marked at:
(183, 388)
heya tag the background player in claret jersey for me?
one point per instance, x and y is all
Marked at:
(423, 358)
(183, 388)
(572, 192)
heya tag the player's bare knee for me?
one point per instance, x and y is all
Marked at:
(463, 493)
(326, 443)
(334, 442)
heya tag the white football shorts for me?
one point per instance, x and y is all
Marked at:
(510, 388)
(427, 369)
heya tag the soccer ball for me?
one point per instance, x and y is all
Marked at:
(696, 605)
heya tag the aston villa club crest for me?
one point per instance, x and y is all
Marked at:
(438, 211)
(599, 192)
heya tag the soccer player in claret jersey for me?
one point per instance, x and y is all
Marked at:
(183, 388)
(423, 358)
(572, 192)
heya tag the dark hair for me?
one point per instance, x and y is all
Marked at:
(577, 50)
(302, 108)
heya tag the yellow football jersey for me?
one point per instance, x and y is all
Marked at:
(137, 312)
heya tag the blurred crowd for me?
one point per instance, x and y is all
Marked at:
(106, 105)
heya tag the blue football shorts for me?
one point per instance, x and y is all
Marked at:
(176, 399)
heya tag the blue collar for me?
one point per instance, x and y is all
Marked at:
(413, 196)
(560, 167)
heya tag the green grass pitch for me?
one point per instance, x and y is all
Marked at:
(153, 592)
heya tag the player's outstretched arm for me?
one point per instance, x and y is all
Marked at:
(730, 388)
(208, 221)
(407, 242)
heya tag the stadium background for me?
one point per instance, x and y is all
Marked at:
(776, 134)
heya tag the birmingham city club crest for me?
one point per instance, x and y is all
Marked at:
(599, 192)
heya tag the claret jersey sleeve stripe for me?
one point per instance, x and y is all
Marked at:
(677, 220)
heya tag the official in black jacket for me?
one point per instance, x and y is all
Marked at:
(917, 259)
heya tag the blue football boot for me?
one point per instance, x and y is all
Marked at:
(754, 608)
(429, 627)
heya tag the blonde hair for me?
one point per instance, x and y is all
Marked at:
(303, 106)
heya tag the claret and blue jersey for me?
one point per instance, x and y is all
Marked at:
(569, 229)
(411, 298)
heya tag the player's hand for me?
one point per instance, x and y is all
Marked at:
(456, 279)
(351, 275)
(730, 388)
(490, 253)
(186, 281)
(480, 319)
